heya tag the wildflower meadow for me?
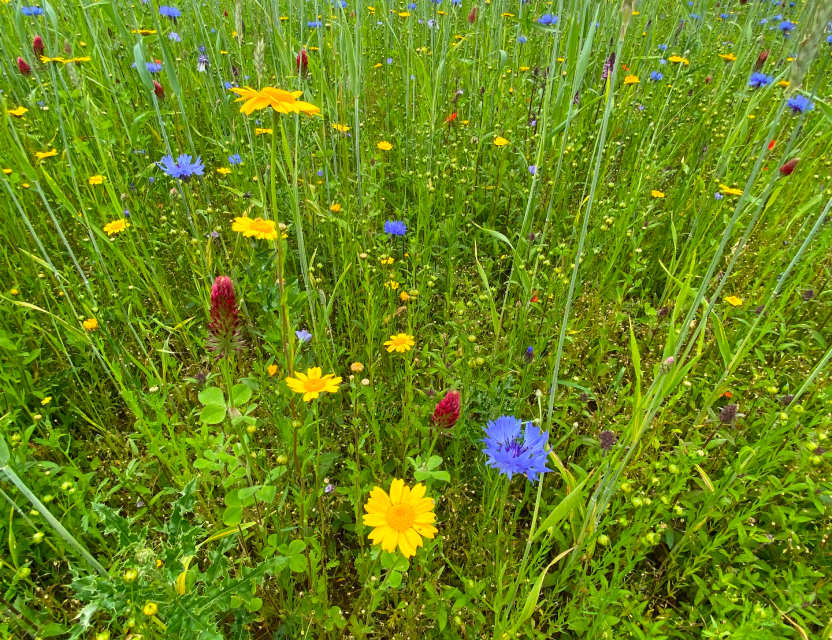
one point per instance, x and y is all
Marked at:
(416, 319)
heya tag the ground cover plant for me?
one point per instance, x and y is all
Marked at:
(440, 319)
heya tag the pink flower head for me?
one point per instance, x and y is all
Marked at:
(224, 328)
(788, 168)
(447, 411)
(159, 90)
(302, 62)
(24, 68)
(37, 46)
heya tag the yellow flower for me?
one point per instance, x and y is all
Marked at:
(631, 79)
(400, 519)
(224, 171)
(81, 59)
(278, 99)
(404, 14)
(734, 301)
(656, 193)
(259, 132)
(783, 83)
(678, 59)
(404, 296)
(500, 141)
(399, 342)
(356, 367)
(272, 370)
(311, 384)
(730, 191)
(17, 113)
(392, 285)
(7, 171)
(728, 57)
(340, 128)
(46, 400)
(116, 226)
(335, 207)
(90, 324)
(255, 228)
(150, 608)
(42, 155)
(384, 145)
(96, 179)
(144, 32)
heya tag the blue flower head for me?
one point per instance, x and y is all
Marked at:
(656, 76)
(512, 448)
(524, 40)
(235, 158)
(548, 19)
(786, 27)
(303, 335)
(174, 37)
(153, 67)
(170, 12)
(395, 227)
(829, 39)
(800, 104)
(31, 11)
(758, 80)
(183, 168)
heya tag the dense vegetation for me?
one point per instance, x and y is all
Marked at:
(515, 323)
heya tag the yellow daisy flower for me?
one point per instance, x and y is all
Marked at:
(90, 324)
(657, 194)
(734, 301)
(401, 518)
(384, 145)
(631, 79)
(18, 113)
(312, 384)
(42, 155)
(399, 343)
(96, 180)
(500, 141)
(255, 228)
(116, 226)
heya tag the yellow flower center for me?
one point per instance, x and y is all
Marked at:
(400, 517)
(314, 384)
(262, 226)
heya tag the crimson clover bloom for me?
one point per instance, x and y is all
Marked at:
(512, 448)
(183, 168)
(446, 412)
(224, 328)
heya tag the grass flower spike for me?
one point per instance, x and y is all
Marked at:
(401, 518)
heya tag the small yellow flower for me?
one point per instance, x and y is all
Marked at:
(340, 128)
(730, 191)
(392, 284)
(223, 171)
(144, 32)
(312, 384)
(255, 228)
(356, 367)
(404, 14)
(684, 61)
(90, 324)
(656, 193)
(734, 301)
(399, 343)
(150, 608)
(335, 207)
(272, 370)
(728, 57)
(116, 226)
(46, 400)
(500, 141)
(18, 113)
(7, 171)
(400, 518)
(13, 292)
(42, 155)
(631, 79)
(97, 179)
(260, 132)
(384, 145)
(404, 296)
(783, 83)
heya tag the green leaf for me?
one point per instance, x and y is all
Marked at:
(211, 395)
(232, 515)
(297, 563)
(212, 414)
(266, 493)
(144, 74)
(296, 546)
(561, 510)
(240, 394)
(4, 452)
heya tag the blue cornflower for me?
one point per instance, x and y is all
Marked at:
(656, 76)
(395, 227)
(183, 168)
(524, 40)
(411, 6)
(174, 37)
(235, 158)
(800, 104)
(153, 67)
(170, 12)
(312, 24)
(31, 11)
(548, 19)
(456, 3)
(303, 335)
(786, 27)
(533, 169)
(529, 355)
(389, 61)
(759, 80)
(511, 448)
(662, 47)
(829, 39)
(718, 196)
